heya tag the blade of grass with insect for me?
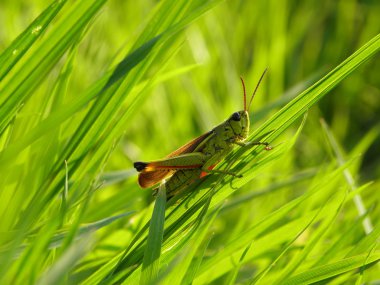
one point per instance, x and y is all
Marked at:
(84, 138)
(181, 215)
(303, 102)
(38, 203)
(288, 115)
(75, 85)
(127, 84)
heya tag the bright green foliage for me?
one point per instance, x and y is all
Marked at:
(89, 87)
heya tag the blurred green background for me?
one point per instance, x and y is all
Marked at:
(194, 86)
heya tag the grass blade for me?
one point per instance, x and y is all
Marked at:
(151, 261)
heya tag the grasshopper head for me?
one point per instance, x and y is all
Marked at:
(239, 122)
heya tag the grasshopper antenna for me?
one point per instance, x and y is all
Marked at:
(245, 94)
(257, 86)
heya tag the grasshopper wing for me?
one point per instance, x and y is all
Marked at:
(151, 173)
(192, 145)
(148, 179)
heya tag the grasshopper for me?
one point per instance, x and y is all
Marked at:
(198, 157)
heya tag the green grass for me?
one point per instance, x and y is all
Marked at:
(89, 87)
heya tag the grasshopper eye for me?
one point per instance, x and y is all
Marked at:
(235, 116)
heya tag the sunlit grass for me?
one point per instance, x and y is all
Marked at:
(88, 87)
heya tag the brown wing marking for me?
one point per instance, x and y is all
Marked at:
(149, 178)
(191, 145)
